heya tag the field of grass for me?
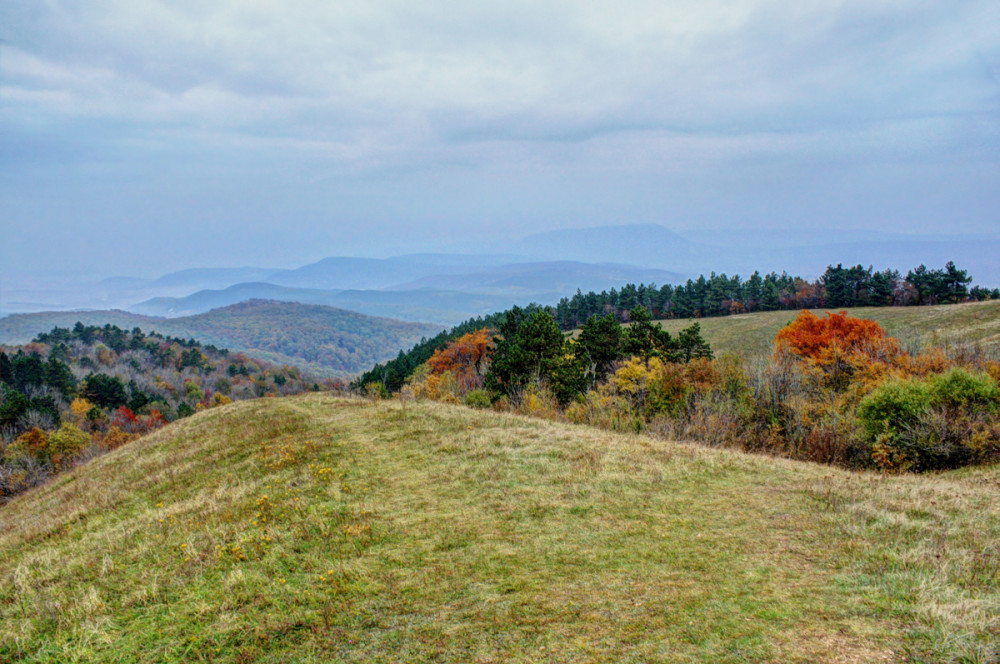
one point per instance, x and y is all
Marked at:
(319, 529)
(917, 327)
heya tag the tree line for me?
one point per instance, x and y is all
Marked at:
(721, 295)
(715, 295)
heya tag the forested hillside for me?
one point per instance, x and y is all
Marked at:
(324, 339)
(719, 295)
(71, 393)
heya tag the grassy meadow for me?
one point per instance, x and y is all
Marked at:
(951, 325)
(326, 529)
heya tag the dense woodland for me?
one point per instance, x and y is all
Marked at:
(72, 393)
(715, 295)
(835, 390)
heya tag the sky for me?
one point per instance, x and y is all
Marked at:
(139, 137)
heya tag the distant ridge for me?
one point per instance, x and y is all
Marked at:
(444, 307)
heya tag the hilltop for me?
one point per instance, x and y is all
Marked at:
(318, 528)
(323, 339)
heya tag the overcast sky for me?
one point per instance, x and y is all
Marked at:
(138, 137)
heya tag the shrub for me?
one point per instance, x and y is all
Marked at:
(961, 389)
(478, 399)
(67, 442)
(20, 474)
(893, 406)
(33, 443)
(943, 421)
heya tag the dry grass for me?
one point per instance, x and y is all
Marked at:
(319, 529)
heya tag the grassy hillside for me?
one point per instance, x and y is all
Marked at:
(320, 529)
(324, 339)
(953, 324)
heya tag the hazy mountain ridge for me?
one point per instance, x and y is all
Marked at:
(422, 305)
(449, 297)
(446, 288)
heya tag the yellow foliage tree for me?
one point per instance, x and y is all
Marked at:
(80, 407)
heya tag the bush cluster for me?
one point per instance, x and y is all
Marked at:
(836, 390)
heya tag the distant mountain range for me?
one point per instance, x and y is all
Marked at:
(412, 289)
(446, 288)
(326, 340)
(438, 306)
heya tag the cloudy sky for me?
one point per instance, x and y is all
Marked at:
(139, 137)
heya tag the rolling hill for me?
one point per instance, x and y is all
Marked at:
(319, 528)
(326, 340)
(942, 325)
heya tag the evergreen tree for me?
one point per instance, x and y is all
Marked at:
(104, 391)
(644, 339)
(526, 351)
(955, 283)
(769, 300)
(690, 344)
(59, 376)
(599, 345)
(753, 292)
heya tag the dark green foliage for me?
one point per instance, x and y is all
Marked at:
(46, 405)
(25, 371)
(690, 345)
(599, 345)
(956, 283)
(949, 285)
(13, 405)
(59, 376)
(645, 339)
(526, 351)
(567, 378)
(184, 409)
(137, 398)
(716, 295)
(104, 390)
(6, 369)
(928, 424)
(859, 286)
(191, 358)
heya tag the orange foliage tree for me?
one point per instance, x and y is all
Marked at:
(839, 345)
(463, 357)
